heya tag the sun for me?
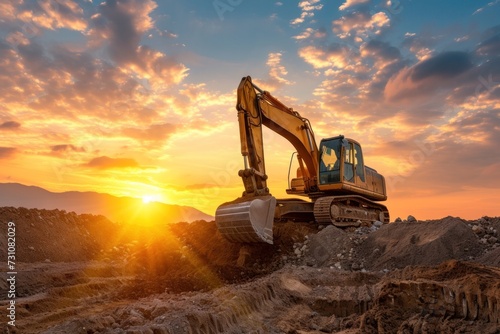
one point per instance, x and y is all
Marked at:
(146, 199)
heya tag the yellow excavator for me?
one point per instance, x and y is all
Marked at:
(342, 190)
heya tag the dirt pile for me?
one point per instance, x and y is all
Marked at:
(420, 243)
(54, 235)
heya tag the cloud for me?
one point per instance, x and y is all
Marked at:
(351, 3)
(381, 51)
(420, 45)
(429, 75)
(490, 46)
(445, 65)
(66, 148)
(277, 72)
(8, 10)
(492, 3)
(335, 56)
(7, 152)
(360, 25)
(52, 14)
(311, 33)
(462, 147)
(120, 25)
(10, 125)
(155, 132)
(105, 162)
(308, 7)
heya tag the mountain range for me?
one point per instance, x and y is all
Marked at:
(117, 209)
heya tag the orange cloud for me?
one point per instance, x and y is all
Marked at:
(155, 132)
(7, 152)
(105, 162)
(360, 24)
(120, 25)
(308, 7)
(337, 56)
(351, 3)
(64, 148)
(8, 9)
(277, 72)
(53, 14)
(10, 125)
(310, 33)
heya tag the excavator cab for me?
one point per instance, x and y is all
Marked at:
(342, 170)
(340, 160)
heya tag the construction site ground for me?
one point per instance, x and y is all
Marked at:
(85, 274)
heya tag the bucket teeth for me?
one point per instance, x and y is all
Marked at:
(247, 221)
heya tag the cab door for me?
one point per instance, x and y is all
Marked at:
(354, 167)
(348, 170)
(359, 165)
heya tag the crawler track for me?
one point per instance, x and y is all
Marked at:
(345, 211)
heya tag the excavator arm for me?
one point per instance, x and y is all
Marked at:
(257, 108)
(250, 217)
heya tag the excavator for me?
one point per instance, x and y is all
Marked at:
(341, 189)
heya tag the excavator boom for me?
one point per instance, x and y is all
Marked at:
(250, 218)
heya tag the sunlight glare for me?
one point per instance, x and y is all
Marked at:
(146, 199)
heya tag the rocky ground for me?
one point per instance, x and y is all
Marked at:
(85, 274)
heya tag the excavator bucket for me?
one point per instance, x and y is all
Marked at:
(247, 221)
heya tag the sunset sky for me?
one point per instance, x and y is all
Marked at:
(136, 98)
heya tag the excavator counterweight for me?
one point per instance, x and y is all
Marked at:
(341, 189)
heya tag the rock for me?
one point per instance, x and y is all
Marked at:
(491, 231)
(477, 229)
(31, 248)
(492, 240)
(243, 256)
(398, 220)
(411, 219)
(482, 221)
(378, 223)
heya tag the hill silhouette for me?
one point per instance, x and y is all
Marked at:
(117, 209)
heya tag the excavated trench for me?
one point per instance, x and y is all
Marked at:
(320, 299)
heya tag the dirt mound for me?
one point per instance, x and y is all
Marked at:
(53, 235)
(399, 245)
(491, 258)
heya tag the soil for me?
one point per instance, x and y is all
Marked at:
(85, 274)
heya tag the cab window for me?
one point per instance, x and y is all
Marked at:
(348, 163)
(358, 162)
(329, 167)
